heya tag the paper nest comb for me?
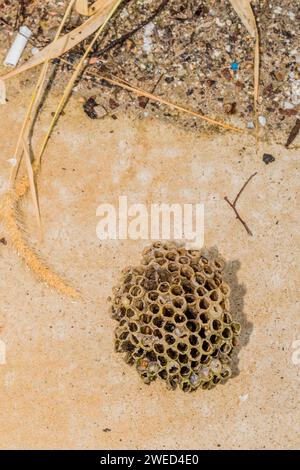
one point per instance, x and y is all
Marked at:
(173, 318)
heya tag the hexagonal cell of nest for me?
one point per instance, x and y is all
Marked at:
(173, 318)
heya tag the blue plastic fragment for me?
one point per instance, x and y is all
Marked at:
(234, 66)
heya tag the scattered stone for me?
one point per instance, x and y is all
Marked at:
(3, 241)
(89, 107)
(244, 397)
(226, 73)
(287, 105)
(192, 44)
(268, 158)
(93, 60)
(100, 111)
(262, 120)
(250, 125)
(230, 108)
(143, 101)
(113, 104)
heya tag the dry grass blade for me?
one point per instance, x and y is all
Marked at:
(37, 95)
(66, 42)
(82, 7)
(2, 92)
(10, 207)
(30, 174)
(244, 10)
(22, 142)
(256, 70)
(74, 77)
(9, 210)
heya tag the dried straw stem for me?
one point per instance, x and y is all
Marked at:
(10, 212)
(74, 77)
(28, 122)
(10, 205)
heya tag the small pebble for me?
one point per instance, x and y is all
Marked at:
(262, 120)
(287, 105)
(219, 23)
(12, 161)
(250, 125)
(100, 111)
(268, 158)
(244, 397)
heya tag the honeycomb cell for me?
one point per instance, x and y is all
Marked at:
(190, 299)
(164, 287)
(216, 325)
(178, 302)
(182, 347)
(152, 296)
(184, 260)
(154, 308)
(170, 339)
(191, 313)
(173, 267)
(168, 311)
(176, 290)
(173, 318)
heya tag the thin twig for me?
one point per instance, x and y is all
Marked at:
(145, 103)
(140, 92)
(233, 204)
(243, 187)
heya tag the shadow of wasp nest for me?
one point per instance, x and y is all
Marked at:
(173, 318)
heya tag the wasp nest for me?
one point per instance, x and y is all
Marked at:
(173, 318)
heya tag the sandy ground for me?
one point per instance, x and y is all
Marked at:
(62, 385)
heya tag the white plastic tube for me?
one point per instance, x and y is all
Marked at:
(17, 47)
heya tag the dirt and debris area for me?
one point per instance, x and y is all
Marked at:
(195, 53)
